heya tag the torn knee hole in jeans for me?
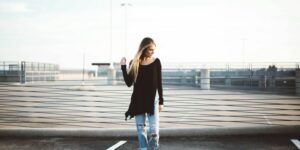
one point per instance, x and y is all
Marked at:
(142, 127)
(153, 135)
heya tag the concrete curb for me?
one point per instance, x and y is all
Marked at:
(169, 132)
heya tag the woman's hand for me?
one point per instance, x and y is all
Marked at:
(161, 107)
(123, 61)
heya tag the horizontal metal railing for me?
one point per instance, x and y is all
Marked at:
(229, 65)
(27, 71)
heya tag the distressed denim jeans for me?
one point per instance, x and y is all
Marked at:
(148, 139)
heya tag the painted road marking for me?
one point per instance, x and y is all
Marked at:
(296, 142)
(269, 122)
(116, 145)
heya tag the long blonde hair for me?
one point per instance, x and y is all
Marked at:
(134, 67)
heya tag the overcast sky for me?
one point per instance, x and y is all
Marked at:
(61, 31)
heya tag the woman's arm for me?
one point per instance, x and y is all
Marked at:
(127, 78)
(159, 84)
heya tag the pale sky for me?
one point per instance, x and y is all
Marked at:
(61, 31)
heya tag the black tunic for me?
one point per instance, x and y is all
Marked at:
(144, 90)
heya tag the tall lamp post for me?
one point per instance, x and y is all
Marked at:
(244, 40)
(111, 80)
(110, 46)
(125, 5)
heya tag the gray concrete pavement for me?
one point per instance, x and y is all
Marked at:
(108, 133)
(217, 142)
(59, 116)
(62, 105)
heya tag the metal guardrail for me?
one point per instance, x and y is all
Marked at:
(27, 71)
(34, 71)
(279, 80)
(230, 65)
(9, 68)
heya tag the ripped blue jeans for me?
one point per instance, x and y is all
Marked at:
(148, 139)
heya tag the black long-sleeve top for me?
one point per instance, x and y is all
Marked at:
(144, 89)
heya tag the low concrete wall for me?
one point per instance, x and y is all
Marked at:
(297, 82)
(9, 79)
(205, 79)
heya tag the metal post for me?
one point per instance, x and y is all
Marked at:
(4, 68)
(228, 80)
(23, 70)
(125, 29)
(45, 76)
(125, 5)
(33, 71)
(112, 73)
(228, 77)
(243, 49)
(111, 59)
(297, 81)
(83, 68)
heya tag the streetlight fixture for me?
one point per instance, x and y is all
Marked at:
(111, 71)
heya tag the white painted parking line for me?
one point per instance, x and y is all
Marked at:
(116, 145)
(266, 118)
(296, 142)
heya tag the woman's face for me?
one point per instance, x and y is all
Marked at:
(150, 50)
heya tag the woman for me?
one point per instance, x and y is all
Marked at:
(145, 74)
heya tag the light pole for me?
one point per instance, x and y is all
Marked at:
(243, 48)
(125, 5)
(83, 67)
(111, 80)
(111, 59)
